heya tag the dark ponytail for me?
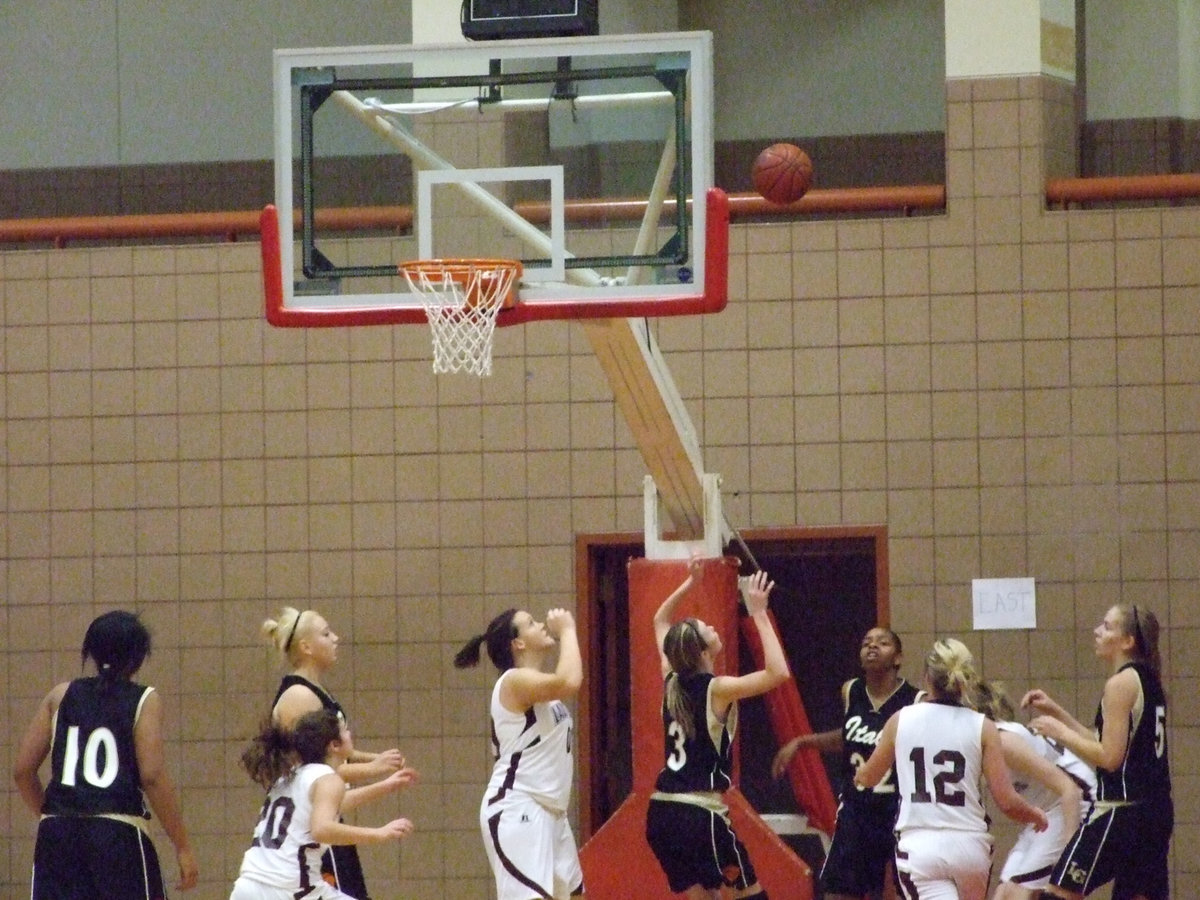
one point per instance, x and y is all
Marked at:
(118, 643)
(498, 638)
(275, 751)
(269, 755)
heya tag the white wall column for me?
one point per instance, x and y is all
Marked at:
(1000, 38)
(436, 22)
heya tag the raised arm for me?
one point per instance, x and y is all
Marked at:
(357, 796)
(728, 688)
(664, 616)
(159, 788)
(995, 772)
(363, 766)
(1107, 752)
(524, 687)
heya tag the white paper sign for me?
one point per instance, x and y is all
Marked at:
(1003, 603)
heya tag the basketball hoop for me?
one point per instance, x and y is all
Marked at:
(461, 299)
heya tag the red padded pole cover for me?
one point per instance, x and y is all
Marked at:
(617, 862)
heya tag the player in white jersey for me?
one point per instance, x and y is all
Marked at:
(1050, 777)
(300, 818)
(942, 750)
(523, 815)
(309, 647)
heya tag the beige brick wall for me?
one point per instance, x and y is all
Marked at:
(1011, 391)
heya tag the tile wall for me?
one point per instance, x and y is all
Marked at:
(1011, 391)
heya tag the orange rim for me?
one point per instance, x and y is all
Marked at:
(460, 271)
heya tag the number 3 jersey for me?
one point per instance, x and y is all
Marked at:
(533, 752)
(703, 762)
(283, 853)
(939, 764)
(94, 769)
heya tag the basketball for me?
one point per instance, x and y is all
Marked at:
(782, 173)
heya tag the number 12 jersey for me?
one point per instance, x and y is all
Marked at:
(939, 764)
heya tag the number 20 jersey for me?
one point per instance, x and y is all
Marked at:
(939, 765)
(283, 852)
(93, 759)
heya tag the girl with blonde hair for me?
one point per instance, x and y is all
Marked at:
(309, 647)
(687, 825)
(942, 750)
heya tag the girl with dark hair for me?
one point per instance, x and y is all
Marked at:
(687, 825)
(310, 648)
(523, 815)
(103, 735)
(863, 843)
(299, 819)
(942, 750)
(1127, 833)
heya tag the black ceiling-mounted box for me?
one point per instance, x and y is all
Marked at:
(487, 20)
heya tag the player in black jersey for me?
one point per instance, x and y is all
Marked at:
(309, 645)
(863, 841)
(1126, 836)
(687, 825)
(103, 735)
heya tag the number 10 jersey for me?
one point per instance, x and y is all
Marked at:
(93, 759)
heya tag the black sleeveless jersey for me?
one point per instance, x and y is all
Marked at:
(860, 733)
(327, 701)
(1144, 776)
(705, 762)
(93, 760)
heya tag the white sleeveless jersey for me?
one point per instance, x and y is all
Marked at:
(1034, 792)
(939, 765)
(1083, 774)
(283, 853)
(533, 752)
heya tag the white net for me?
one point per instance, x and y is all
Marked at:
(462, 298)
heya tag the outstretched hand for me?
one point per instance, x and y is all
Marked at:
(783, 757)
(401, 778)
(386, 763)
(758, 592)
(396, 829)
